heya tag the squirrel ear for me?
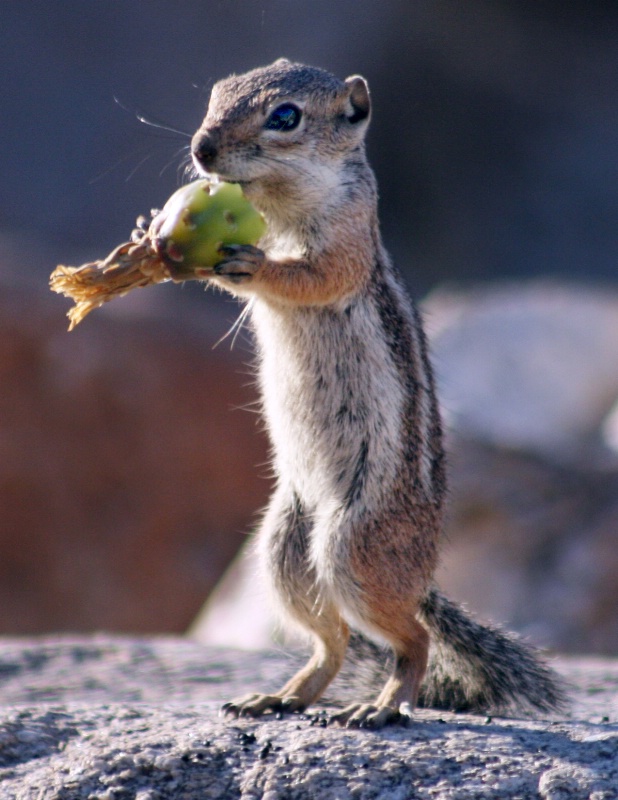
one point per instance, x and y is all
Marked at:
(359, 104)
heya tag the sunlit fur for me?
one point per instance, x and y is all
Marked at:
(350, 538)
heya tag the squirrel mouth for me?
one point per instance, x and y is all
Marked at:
(218, 177)
(230, 179)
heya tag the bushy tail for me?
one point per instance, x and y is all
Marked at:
(477, 667)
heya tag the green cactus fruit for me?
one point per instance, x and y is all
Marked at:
(199, 218)
(182, 243)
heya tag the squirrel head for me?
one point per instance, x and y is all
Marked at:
(284, 128)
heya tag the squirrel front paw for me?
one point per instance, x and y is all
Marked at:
(240, 262)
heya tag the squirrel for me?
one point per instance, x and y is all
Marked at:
(350, 539)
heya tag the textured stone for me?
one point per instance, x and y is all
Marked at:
(526, 366)
(101, 718)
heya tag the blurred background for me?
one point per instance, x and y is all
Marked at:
(130, 475)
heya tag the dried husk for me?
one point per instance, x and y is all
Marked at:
(181, 242)
(128, 266)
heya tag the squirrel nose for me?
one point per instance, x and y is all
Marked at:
(203, 149)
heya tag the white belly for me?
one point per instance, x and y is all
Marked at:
(332, 400)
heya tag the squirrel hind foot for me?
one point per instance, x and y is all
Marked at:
(367, 715)
(255, 705)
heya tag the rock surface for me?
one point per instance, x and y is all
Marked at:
(526, 366)
(110, 718)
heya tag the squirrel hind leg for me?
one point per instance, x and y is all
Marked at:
(399, 697)
(309, 683)
(284, 539)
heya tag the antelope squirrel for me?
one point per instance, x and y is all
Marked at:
(349, 541)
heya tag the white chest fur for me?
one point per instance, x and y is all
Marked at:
(332, 401)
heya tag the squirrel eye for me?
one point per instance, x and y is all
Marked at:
(284, 118)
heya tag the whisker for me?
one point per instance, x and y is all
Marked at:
(114, 166)
(236, 327)
(251, 408)
(295, 168)
(185, 170)
(173, 159)
(152, 124)
(190, 170)
(240, 322)
(141, 117)
(139, 164)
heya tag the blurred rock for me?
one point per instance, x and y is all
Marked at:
(527, 376)
(238, 613)
(531, 367)
(534, 545)
(127, 479)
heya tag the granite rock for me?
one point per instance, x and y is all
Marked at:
(100, 718)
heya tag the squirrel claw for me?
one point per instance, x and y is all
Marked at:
(251, 705)
(292, 704)
(365, 715)
(240, 262)
(254, 705)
